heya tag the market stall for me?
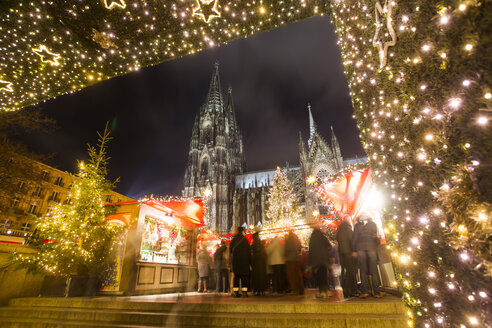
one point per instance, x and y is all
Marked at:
(158, 249)
(355, 193)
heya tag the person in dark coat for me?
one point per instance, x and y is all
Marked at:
(221, 271)
(347, 262)
(259, 272)
(319, 249)
(292, 260)
(240, 259)
(365, 243)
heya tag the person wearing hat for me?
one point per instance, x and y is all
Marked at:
(240, 260)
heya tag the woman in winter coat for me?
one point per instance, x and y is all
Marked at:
(204, 261)
(259, 274)
(240, 259)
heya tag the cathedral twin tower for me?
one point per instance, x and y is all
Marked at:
(216, 162)
(216, 155)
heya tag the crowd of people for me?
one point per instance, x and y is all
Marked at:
(284, 266)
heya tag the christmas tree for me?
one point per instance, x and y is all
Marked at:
(76, 239)
(283, 210)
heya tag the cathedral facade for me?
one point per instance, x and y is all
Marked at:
(216, 162)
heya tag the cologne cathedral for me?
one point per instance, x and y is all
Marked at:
(216, 162)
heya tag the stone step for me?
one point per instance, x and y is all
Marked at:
(217, 322)
(347, 307)
(30, 323)
(197, 319)
(208, 311)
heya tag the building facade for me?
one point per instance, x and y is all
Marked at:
(36, 199)
(216, 162)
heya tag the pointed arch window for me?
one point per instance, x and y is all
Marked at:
(206, 132)
(204, 167)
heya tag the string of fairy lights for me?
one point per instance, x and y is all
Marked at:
(403, 114)
(52, 48)
(416, 77)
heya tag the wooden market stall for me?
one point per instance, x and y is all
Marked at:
(157, 253)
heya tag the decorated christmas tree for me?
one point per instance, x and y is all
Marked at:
(283, 210)
(75, 239)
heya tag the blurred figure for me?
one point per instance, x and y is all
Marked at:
(292, 259)
(221, 271)
(347, 262)
(306, 269)
(204, 261)
(275, 258)
(240, 259)
(319, 249)
(259, 274)
(365, 243)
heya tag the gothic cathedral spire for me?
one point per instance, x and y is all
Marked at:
(216, 155)
(312, 126)
(335, 148)
(214, 100)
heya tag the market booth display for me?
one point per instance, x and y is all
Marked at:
(157, 252)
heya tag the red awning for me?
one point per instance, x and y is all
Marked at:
(189, 210)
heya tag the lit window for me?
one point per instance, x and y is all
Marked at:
(49, 211)
(37, 192)
(59, 181)
(26, 226)
(5, 223)
(33, 207)
(54, 196)
(108, 199)
(15, 203)
(45, 175)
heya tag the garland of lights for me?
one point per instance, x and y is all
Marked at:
(418, 74)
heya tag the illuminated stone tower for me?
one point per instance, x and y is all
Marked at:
(320, 159)
(216, 155)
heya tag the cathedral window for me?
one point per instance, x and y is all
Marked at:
(204, 168)
(323, 174)
(206, 132)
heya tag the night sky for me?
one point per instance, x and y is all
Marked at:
(273, 76)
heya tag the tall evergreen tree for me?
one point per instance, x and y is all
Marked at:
(76, 239)
(283, 210)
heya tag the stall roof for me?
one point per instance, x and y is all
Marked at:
(189, 210)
